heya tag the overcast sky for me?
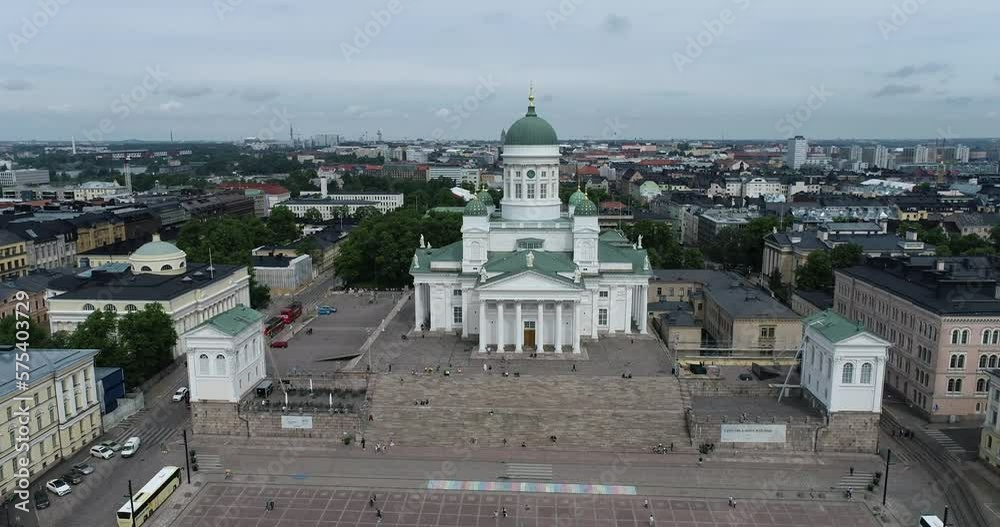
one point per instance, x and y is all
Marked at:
(623, 68)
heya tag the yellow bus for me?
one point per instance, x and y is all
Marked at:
(150, 497)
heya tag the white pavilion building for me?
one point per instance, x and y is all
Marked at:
(532, 275)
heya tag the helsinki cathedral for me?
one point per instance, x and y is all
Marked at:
(532, 274)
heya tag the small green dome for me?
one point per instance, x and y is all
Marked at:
(475, 208)
(485, 197)
(157, 248)
(577, 197)
(585, 208)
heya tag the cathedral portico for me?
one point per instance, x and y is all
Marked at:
(533, 326)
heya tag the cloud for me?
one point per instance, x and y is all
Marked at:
(615, 24)
(918, 69)
(671, 93)
(892, 90)
(958, 100)
(996, 78)
(16, 85)
(496, 17)
(170, 106)
(60, 108)
(257, 94)
(355, 109)
(442, 113)
(188, 92)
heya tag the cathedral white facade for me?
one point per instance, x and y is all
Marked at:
(532, 275)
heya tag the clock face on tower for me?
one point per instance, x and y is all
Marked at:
(531, 174)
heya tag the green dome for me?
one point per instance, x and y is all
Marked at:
(585, 208)
(475, 208)
(576, 197)
(485, 197)
(157, 248)
(531, 129)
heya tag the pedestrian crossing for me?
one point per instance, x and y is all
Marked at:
(858, 481)
(151, 436)
(528, 471)
(899, 457)
(946, 442)
(209, 462)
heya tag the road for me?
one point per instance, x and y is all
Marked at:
(93, 502)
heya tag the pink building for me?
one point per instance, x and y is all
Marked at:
(942, 316)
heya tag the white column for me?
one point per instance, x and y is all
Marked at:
(539, 335)
(500, 343)
(72, 396)
(576, 327)
(482, 326)
(418, 306)
(465, 313)
(519, 336)
(559, 327)
(60, 407)
(628, 309)
(644, 297)
(594, 310)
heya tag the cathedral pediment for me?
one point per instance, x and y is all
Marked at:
(529, 281)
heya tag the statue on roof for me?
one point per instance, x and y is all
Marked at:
(640, 241)
(577, 276)
(482, 274)
(429, 245)
(529, 259)
(416, 262)
(645, 264)
(422, 244)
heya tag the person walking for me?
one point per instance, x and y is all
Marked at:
(852, 471)
(362, 443)
(652, 521)
(732, 502)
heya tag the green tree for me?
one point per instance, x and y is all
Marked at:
(38, 336)
(817, 273)
(146, 339)
(775, 282)
(260, 294)
(229, 239)
(845, 255)
(282, 223)
(313, 215)
(363, 213)
(100, 331)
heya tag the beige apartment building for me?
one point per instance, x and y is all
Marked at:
(737, 319)
(59, 406)
(942, 316)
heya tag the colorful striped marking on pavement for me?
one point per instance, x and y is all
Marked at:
(539, 488)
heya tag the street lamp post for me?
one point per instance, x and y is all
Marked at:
(187, 456)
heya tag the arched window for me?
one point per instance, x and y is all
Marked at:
(88, 307)
(982, 361)
(958, 385)
(961, 361)
(166, 267)
(866, 373)
(993, 361)
(965, 336)
(220, 364)
(981, 385)
(986, 336)
(953, 361)
(110, 308)
(955, 333)
(203, 364)
(996, 337)
(848, 375)
(147, 268)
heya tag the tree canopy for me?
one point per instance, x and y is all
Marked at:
(283, 226)
(665, 252)
(140, 342)
(380, 249)
(743, 247)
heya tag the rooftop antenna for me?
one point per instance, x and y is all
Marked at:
(211, 268)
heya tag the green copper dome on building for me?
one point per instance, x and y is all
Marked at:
(585, 208)
(577, 197)
(475, 208)
(485, 197)
(531, 130)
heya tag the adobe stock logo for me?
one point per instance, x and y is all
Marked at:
(31, 26)
(798, 117)
(364, 35)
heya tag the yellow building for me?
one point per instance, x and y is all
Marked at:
(13, 256)
(59, 407)
(97, 230)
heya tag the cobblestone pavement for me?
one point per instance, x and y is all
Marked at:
(237, 505)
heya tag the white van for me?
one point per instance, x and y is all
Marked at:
(131, 447)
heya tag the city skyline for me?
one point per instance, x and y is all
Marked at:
(731, 68)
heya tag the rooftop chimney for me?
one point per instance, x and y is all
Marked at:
(940, 265)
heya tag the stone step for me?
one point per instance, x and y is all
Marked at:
(529, 471)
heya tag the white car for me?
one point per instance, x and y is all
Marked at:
(58, 487)
(180, 393)
(131, 447)
(102, 452)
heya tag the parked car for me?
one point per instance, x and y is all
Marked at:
(41, 500)
(326, 310)
(58, 487)
(102, 452)
(279, 344)
(131, 447)
(180, 394)
(112, 445)
(83, 468)
(72, 477)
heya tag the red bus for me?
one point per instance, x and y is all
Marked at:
(273, 326)
(292, 312)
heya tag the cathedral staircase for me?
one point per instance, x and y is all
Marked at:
(582, 412)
